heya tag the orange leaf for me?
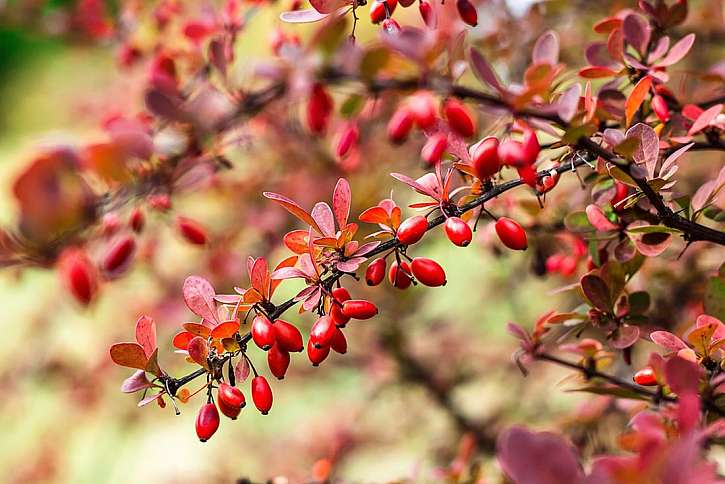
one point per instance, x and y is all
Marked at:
(634, 101)
(130, 355)
(197, 329)
(225, 329)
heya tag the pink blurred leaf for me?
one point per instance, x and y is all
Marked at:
(329, 6)
(678, 51)
(546, 48)
(199, 297)
(483, 70)
(423, 190)
(537, 458)
(568, 103)
(667, 164)
(241, 370)
(146, 334)
(350, 265)
(704, 119)
(682, 375)
(667, 340)
(259, 277)
(288, 273)
(626, 336)
(366, 248)
(302, 16)
(130, 355)
(150, 399)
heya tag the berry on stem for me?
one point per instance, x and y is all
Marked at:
(288, 336)
(192, 231)
(434, 148)
(119, 255)
(485, 158)
(359, 309)
(458, 231)
(261, 394)
(323, 330)
(399, 275)
(400, 125)
(511, 234)
(317, 355)
(645, 377)
(339, 342)
(467, 12)
(428, 272)
(207, 421)
(412, 229)
(375, 272)
(459, 119)
(263, 332)
(278, 361)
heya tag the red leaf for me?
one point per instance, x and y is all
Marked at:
(423, 190)
(296, 241)
(636, 31)
(292, 207)
(260, 277)
(197, 329)
(199, 298)
(341, 199)
(181, 340)
(130, 355)
(288, 262)
(146, 334)
(596, 72)
(227, 329)
(374, 215)
(199, 351)
(704, 119)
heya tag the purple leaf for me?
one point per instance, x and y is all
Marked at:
(241, 370)
(546, 48)
(650, 244)
(613, 137)
(302, 16)
(667, 340)
(597, 292)
(648, 148)
(162, 104)
(199, 297)
(150, 399)
(636, 31)
(568, 103)
(483, 70)
(597, 54)
(312, 300)
(626, 336)
(366, 248)
(682, 375)
(678, 51)
(135, 382)
(674, 157)
(415, 185)
(350, 265)
(662, 45)
(341, 198)
(537, 458)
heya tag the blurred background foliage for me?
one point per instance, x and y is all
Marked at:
(431, 370)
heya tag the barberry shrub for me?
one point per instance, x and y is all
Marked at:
(635, 128)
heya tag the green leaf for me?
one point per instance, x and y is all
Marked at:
(715, 295)
(352, 106)
(578, 222)
(373, 60)
(651, 229)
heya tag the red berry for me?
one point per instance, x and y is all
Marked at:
(400, 125)
(339, 343)
(136, 220)
(231, 396)
(348, 139)
(207, 421)
(341, 294)
(359, 309)
(288, 336)
(659, 106)
(278, 361)
(78, 275)
(319, 108)
(377, 10)
(646, 377)
(423, 108)
(322, 332)
(434, 148)
(261, 394)
(316, 355)
(336, 314)
(160, 202)
(458, 231)
(428, 272)
(399, 276)
(621, 191)
(528, 175)
(511, 153)
(511, 234)
(459, 119)
(412, 230)
(110, 224)
(531, 147)
(119, 255)
(427, 14)
(486, 162)
(568, 264)
(467, 12)
(553, 263)
(192, 231)
(375, 272)
(391, 26)
(229, 411)
(263, 332)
